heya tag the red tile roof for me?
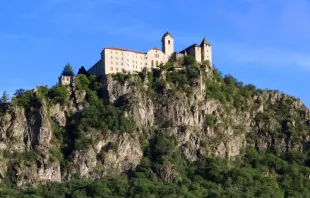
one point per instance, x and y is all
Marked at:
(122, 49)
(155, 48)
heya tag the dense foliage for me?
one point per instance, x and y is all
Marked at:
(164, 170)
(257, 174)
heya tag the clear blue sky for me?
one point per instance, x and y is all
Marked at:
(263, 42)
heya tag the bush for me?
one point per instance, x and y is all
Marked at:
(210, 121)
(56, 154)
(178, 78)
(193, 72)
(59, 94)
(81, 82)
(105, 117)
(42, 92)
(190, 60)
(230, 80)
(121, 78)
(24, 99)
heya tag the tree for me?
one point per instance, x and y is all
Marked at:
(82, 70)
(19, 92)
(189, 60)
(5, 98)
(68, 71)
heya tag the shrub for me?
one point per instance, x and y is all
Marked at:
(230, 80)
(105, 117)
(42, 92)
(210, 121)
(24, 99)
(56, 154)
(178, 78)
(193, 72)
(81, 82)
(59, 94)
(167, 124)
(190, 60)
(121, 78)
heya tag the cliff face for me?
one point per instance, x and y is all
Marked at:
(199, 125)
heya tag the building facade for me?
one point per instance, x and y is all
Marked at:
(201, 52)
(114, 60)
(66, 80)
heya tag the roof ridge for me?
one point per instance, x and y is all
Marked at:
(123, 49)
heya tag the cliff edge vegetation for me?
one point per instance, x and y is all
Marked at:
(182, 130)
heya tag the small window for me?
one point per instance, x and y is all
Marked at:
(112, 68)
(116, 63)
(168, 42)
(111, 57)
(116, 69)
(156, 63)
(111, 62)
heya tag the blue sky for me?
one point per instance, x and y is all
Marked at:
(262, 42)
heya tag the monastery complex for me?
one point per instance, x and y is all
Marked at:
(114, 60)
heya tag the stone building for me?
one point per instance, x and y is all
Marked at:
(114, 60)
(201, 52)
(66, 80)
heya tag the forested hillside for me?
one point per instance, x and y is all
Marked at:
(182, 130)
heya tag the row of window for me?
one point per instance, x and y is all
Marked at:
(117, 69)
(128, 59)
(127, 63)
(128, 54)
(152, 63)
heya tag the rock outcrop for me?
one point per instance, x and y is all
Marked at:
(28, 149)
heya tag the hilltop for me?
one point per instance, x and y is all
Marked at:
(182, 130)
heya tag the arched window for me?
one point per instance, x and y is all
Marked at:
(152, 63)
(168, 42)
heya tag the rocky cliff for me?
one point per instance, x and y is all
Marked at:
(207, 116)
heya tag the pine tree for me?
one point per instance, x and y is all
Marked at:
(82, 70)
(68, 71)
(5, 98)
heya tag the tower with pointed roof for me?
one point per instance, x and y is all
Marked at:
(167, 44)
(206, 51)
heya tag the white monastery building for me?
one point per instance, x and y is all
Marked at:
(114, 60)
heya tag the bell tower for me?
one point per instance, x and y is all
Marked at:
(167, 44)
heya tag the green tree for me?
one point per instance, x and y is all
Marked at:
(59, 94)
(5, 98)
(82, 70)
(68, 71)
(19, 92)
(190, 60)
